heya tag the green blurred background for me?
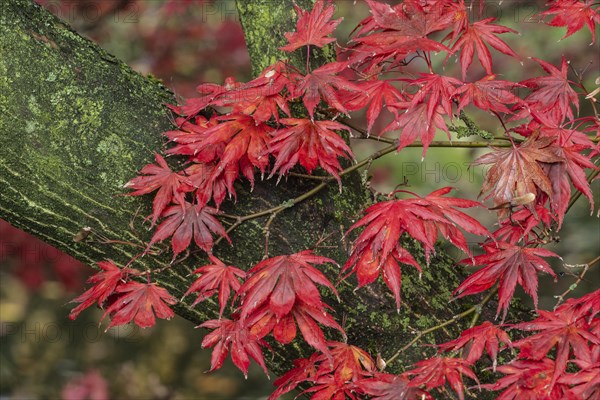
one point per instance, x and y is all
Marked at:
(44, 355)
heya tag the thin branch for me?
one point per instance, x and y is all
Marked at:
(572, 287)
(475, 309)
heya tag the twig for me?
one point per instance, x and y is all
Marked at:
(475, 309)
(586, 267)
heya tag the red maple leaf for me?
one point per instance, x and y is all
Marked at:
(233, 336)
(305, 369)
(571, 169)
(139, 302)
(189, 138)
(105, 282)
(312, 28)
(528, 380)
(374, 93)
(309, 143)
(488, 94)
(519, 225)
(402, 29)
(474, 340)
(377, 248)
(323, 83)
(435, 90)
(552, 95)
(478, 36)
(281, 290)
(187, 220)
(586, 383)
(435, 371)
(171, 185)
(415, 124)
(509, 264)
(518, 170)
(574, 15)
(390, 387)
(216, 277)
(561, 329)
(244, 146)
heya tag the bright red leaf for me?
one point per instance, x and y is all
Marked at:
(474, 340)
(488, 94)
(233, 336)
(478, 36)
(105, 282)
(312, 28)
(323, 83)
(310, 143)
(528, 380)
(552, 95)
(509, 264)
(139, 302)
(187, 220)
(171, 185)
(377, 248)
(434, 372)
(574, 14)
(390, 387)
(561, 329)
(216, 277)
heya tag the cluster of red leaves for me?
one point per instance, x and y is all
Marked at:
(278, 296)
(124, 299)
(378, 249)
(237, 128)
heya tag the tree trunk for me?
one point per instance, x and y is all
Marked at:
(77, 124)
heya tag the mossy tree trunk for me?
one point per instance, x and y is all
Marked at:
(76, 124)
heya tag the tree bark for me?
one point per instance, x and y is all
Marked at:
(77, 124)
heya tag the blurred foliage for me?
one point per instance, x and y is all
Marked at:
(183, 43)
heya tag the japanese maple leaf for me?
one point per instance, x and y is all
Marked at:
(216, 277)
(187, 220)
(171, 185)
(323, 83)
(518, 170)
(190, 136)
(404, 28)
(574, 15)
(285, 288)
(305, 369)
(280, 280)
(571, 169)
(586, 383)
(377, 248)
(552, 95)
(474, 340)
(415, 124)
(350, 363)
(105, 283)
(434, 372)
(233, 336)
(139, 302)
(519, 225)
(385, 386)
(262, 97)
(488, 94)
(528, 380)
(587, 306)
(561, 329)
(435, 90)
(509, 264)
(478, 36)
(244, 146)
(312, 28)
(374, 93)
(310, 143)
